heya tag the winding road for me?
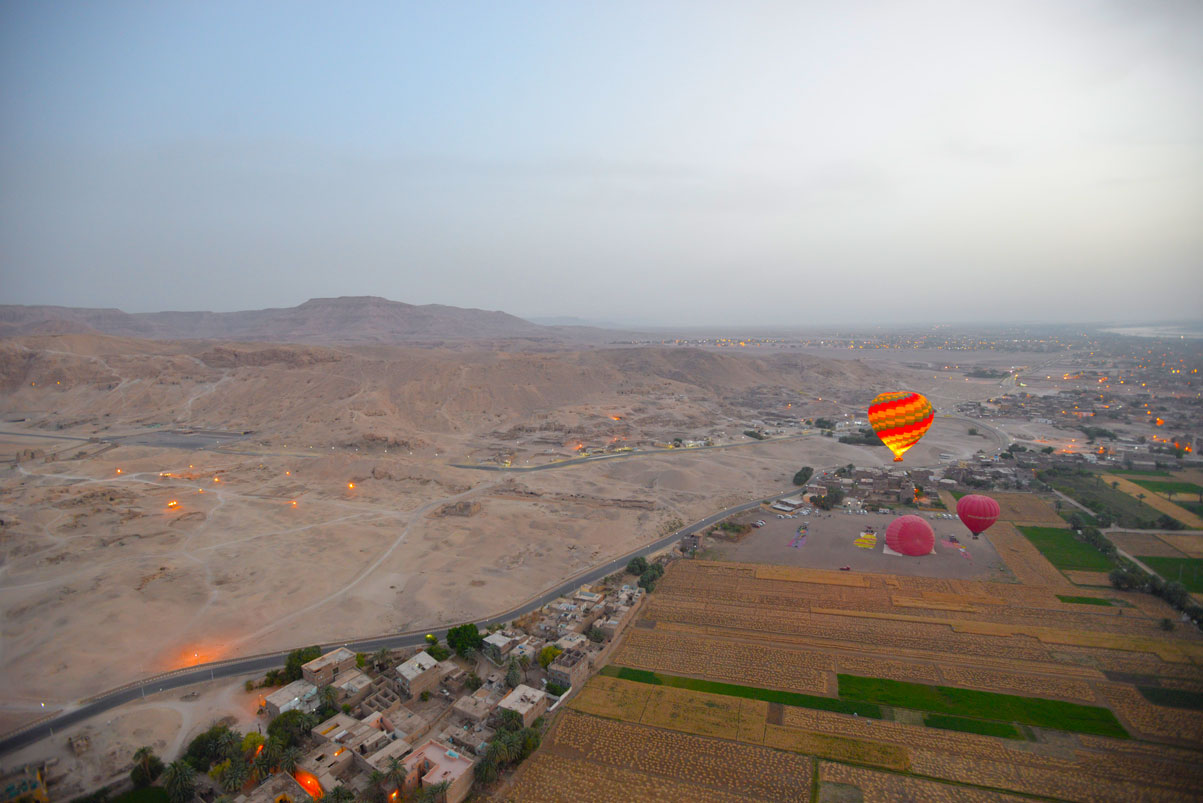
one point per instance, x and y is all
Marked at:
(261, 663)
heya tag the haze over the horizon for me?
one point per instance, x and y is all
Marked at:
(672, 163)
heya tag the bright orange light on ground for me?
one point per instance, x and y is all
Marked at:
(194, 654)
(294, 503)
(118, 471)
(1158, 422)
(287, 473)
(309, 782)
(616, 417)
(173, 504)
(350, 486)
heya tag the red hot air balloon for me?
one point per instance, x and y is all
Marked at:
(977, 512)
(910, 535)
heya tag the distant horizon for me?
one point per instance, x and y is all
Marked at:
(684, 326)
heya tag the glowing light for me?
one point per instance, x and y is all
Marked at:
(293, 503)
(1158, 422)
(350, 486)
(309, 782)
(217, 479)
(118, 471)
(616, 417)
(287, 473)
(173, 504)
(258, 749)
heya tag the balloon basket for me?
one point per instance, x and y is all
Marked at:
(897, 459)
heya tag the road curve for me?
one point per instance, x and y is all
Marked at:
(261, 663)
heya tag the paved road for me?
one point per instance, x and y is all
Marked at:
(261, 663)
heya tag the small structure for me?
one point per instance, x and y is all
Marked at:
(477, 706)
(418, 674)
(323, 670)
(300, 695)
(570, 668)
(278, 788)
(23, 785)
(497, 646)
(434, 763)
(529, 703)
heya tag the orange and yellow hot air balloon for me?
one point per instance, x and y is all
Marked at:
(900, 419)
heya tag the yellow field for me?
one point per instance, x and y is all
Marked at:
(796, 630)
(1190, 545)
(1158, 503)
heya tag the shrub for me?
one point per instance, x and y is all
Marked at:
(438, 652)
(424, 696)
(637, 565)
(556, 690)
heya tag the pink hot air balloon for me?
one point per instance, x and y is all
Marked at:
(977, 512)
(910, 535)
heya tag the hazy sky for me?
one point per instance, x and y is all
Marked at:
(683, 162)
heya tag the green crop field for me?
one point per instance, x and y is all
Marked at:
(1193, 507)
(1094, 493)
(748, 692)
(1136, 472)
(1188, 571)
(1004, 730)
(1084, 600)
(1065, 551)
(1164, 487)
(1035, 711)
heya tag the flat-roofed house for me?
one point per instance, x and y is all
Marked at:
(530, 703)
(432, 763)
(418, 674)
(570, 668)
(300, 695)
(323, 670)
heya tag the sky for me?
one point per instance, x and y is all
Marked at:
(675, 163)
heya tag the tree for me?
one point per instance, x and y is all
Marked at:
(361, 660)
(637, 565)
(291, 727)
(509, 720)
(235, 776)
(179, 781)
(394, 772)
(485, 771)
(340, 794)
(296, 658)
(289, 758)
(595, 635)
(556, 690)
(383, 655)
(229, 744)
(464, 639)
(473, 681)
(803, 475)
(548, 654)
(513, 675)
(147, 767)
(328, 695)
(434, 792)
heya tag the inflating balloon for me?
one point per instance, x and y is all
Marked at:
(900, 419)
(977, 512)
(910, 535)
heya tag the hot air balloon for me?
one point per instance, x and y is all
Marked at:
(977, 512)
(900, 419)
(910, 535)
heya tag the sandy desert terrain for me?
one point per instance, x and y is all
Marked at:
(171, 503)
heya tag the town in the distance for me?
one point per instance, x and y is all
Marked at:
(358, 550)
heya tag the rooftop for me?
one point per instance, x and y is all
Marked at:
(438, 762)
(522, 699)
(422, 662)
(333, 657)
(297, 690)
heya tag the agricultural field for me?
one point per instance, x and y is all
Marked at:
(1025, 508)
(886, 687)
(1159, 503)
(1170, 488)
(1095, 492)
(1065, 551)
(1188, 571)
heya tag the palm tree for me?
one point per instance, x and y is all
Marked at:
(375, 790)
(486, 771)
(229, 744)
(144, 758)
(340, 794)
(179, 780)
(328, 696)
(433, 792)
(381, 657)
(289, 758)
(235, 776)
(263, 764)
(395, 772)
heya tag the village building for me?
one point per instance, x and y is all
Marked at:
(418, 674)
(569, 669)
(324, 670)
(478, 706)
(300, 695)
(433, 763)
(529, 703)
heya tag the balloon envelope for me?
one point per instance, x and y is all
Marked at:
(900, 419)
(910, 535)
(977, 512)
